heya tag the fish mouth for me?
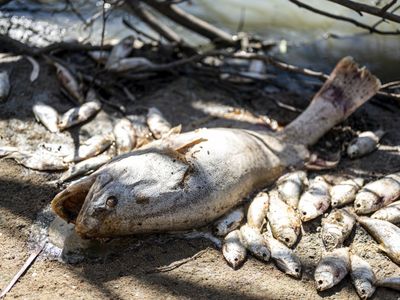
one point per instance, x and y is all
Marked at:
(68, 203)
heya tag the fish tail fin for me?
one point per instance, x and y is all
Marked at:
(346, 89)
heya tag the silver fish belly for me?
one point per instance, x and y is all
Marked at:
(345, 192)
(229, 222)
(158, 125)
(386, 234)
(257, 210)
(362, 276)
(254, 241)
(377, 194)
(332, 268)
(79, 114)
(291, 185)
(390, 213)
(233, 249)
(46, 115)
(5, 86)
(125, 136)
(315, 201)
(285, 259)
(284, 221)
(336, 228)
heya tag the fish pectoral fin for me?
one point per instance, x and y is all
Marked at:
(183, 149)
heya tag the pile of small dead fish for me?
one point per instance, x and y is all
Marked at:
(272, 227)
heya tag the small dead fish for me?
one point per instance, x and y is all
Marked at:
(390, 213)
(69, 82)
(125, 136)
(386, 234)
(99, 56)
(332, 268)
(121, 50)
(345, 192)
(6, 150)
(377, 194)
(336, 228)
(35, 68)
(233, 249)
(40, 160)
(93, 146)
(390, 282)
(285, 259)
(79, 114)
(365, 143)
(83, 167)
(131, 64)
(254, 241)
(5, 86)
(284, 221)
(362, 276)
(229, 222)
(158, 125)
(257, 210)
(315, 201)
(46, 115)
(291, 185)
(143, 133)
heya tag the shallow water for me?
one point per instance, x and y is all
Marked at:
(280, 20)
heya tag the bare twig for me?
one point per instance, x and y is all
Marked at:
(178, 263)
(371, 29)
(25, 267)
(137, 30)
(193, 23)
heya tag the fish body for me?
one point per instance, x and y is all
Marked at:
(390, 282)
(377, 194)
(233, 249)
(362, 276)
(315, 201)
(93, 146)
(131, 64)
(254, 241)
(390, 213)
(99, 56)
(121, 50)
(125, 136)
(365, 143)
(291, 185)
(332, 268)
(284, 221)
(46, 115)
(69, 82)
(285, 259)
(83, 167)
(336, 228)
(6, 150)
(386, 234)
(257, 210)
(345, 192)
(40, 160)
(142, 131)
(79, 114)
(5, 86)
(229, 222)
(158, 125)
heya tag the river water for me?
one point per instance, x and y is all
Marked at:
(301, 32)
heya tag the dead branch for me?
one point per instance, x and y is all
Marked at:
(371, 29)
(193, 23)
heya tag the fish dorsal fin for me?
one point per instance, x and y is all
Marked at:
(183, 149)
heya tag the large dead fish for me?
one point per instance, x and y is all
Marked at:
(386, 234)
(345, 192)
(188, 180)
(377, 194)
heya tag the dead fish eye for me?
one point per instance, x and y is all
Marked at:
(363, 291)
(236, 259)
(358, 205)
(304, 213)
(287, 240)
(111, 201)
(296, 270)
(320, 281)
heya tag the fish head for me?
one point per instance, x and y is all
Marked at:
(367, 201)
(263, 253)
(287, 236)
(324, 280)
(120, 197)
(364, 288)
(308, 211)
(289, 266)
(332, 236)
(221, 229)
(353, 150)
